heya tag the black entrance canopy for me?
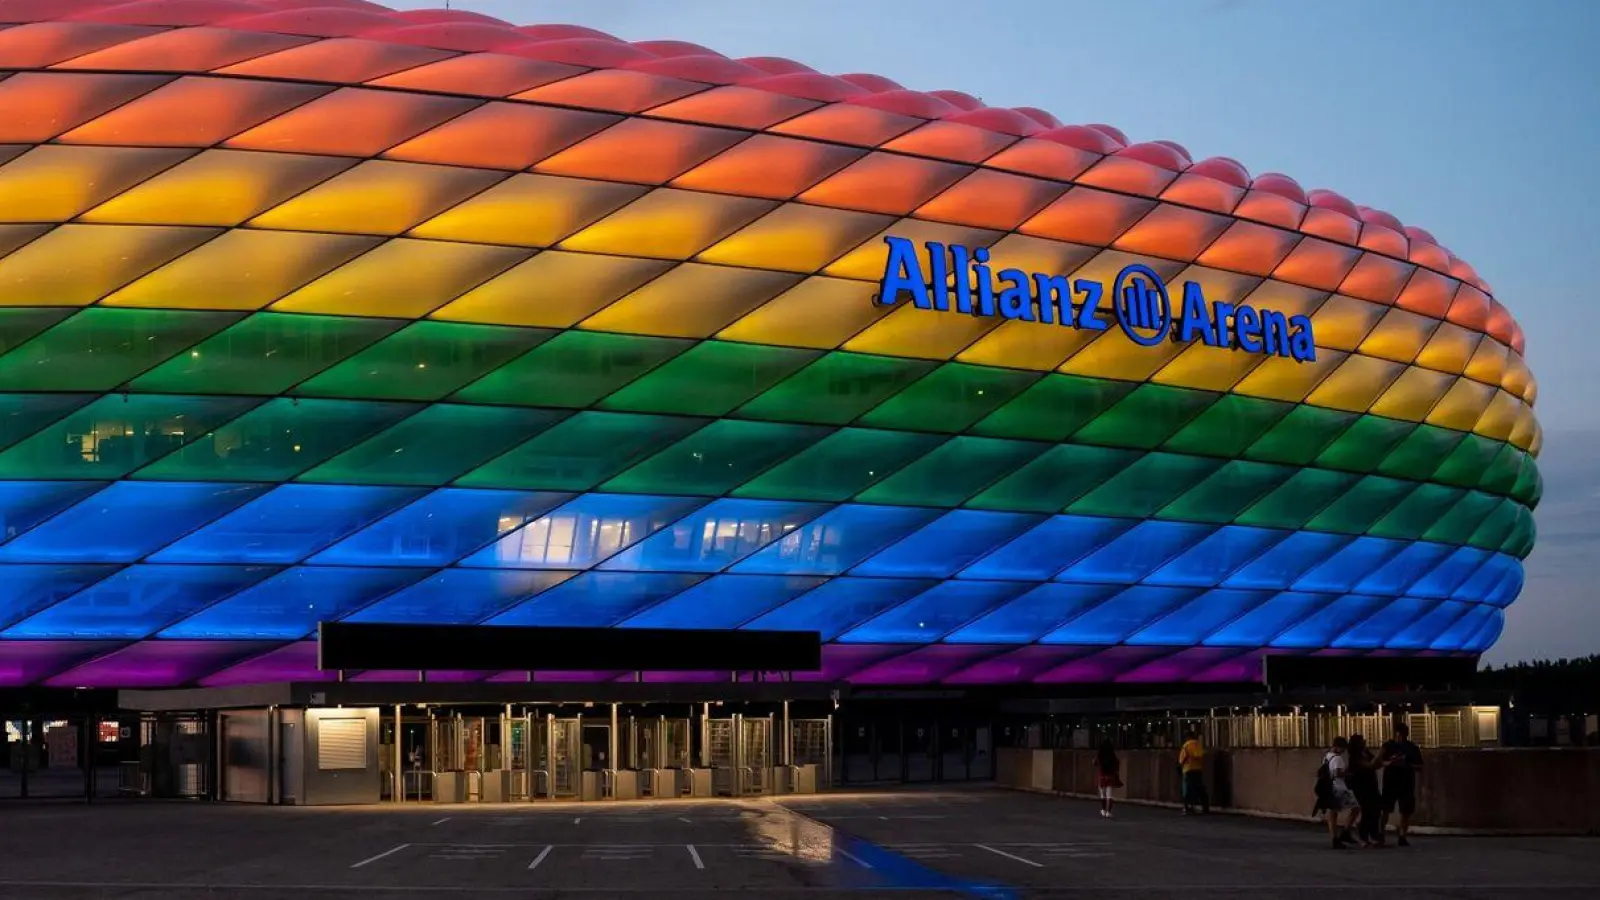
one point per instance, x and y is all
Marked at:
(352, 645)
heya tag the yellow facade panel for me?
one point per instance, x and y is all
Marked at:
(1518, 379)
(1413, 394)
(378, 197)
(1488, 363)
(1115, 356)
(668, 224)
(866, 262)
(921, 334)
(1449, 349)
(1289, 299)
(1462, 405)
(1500, 418)
(1279, 378)
(554, 289)
(402, 278)
(1342, 323)
(529, 211)
(1027, 345)
(1208, 368)
(1399, 336)
(75, 265)
(796, 238)
(819, 312)
(54, 183)
(691, 300)
(218, 187)
(1356, 384)
(242, 269)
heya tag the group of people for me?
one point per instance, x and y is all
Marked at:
(1357, 790)
(1352, 799)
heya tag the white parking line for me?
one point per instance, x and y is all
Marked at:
(695, 855)
(853, 858)
(1009, 855)
(443, 820)
(372, 859)
(540, 858)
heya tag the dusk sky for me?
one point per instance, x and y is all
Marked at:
(1478, 121)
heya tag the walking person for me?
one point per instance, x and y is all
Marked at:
(1363, 782)
(1402, 764)
(1343, 810)
(1192, 760)
(1109, 770)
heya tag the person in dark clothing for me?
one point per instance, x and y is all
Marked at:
(1363, 781)
(1402, 764)
(1109, 771)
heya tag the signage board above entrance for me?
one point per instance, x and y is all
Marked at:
(960, 279)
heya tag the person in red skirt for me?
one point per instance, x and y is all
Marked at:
(1109, 768)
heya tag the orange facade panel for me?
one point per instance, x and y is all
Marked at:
(480, 74)
(1046, 159)
(1204, 193)
(193, 112)
(1130, 176)
(768, 166)
(1331, 225)
(1317, 264)
(1377, 278)
(847, 123)
(37, 45)
(1383, 240)
(1172, 232)
(1264, 206)
(645, 151)
(40, 105)
(1087, 216)
(952, 141)
(1427, 293)
(885, 183)
(185, 50)
(1470, 308)
(990, 199)
(735, 107)
(353, 122)
(613, 90)
(1250, 248)
(337, 60)
(503, 136)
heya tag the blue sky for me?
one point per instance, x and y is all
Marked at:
(1478, 121)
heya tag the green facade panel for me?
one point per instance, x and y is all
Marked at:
(582, 451)
(1413, 516)
(1301, 436)
(716, 459)
(18, 325)
(103, 347)
(1227, 492)
(267, 353)
(1054, 479)
(1228, 426)
(836, 389)
(841, 465)
(1053, 407)
(22, 415)
(1142, 489)
(1293, 503)
(436, 445)
(1367, 445)
(424, 361)
(1465, 464)
(1359, 508)
(1147, 417)
(573, 369)
(952, 472)
(1457, 525)
(710, 379)
(1497, 527)
(950, 398)
(1420, 454)
(115, 435)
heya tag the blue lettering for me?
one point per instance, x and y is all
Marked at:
(1088, 310)
(1196, 320)
(1015, 301)
(1219, 319)
(1301, 346)
(960, 259)
(985, 280)
(902, 273)
(1055, 293)
(1247, 329)
(1275, 332)
(939, 280)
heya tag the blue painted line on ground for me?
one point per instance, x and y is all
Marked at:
(898, 872)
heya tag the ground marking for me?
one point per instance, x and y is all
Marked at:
(442, 821)
(695, 855)
(1009, 855)
(373, 859)
(577, 820)
(853, 858)
(540, 858)
(684, 820)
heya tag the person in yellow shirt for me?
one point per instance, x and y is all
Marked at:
(1192, 759)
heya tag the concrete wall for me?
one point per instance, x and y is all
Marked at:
(1534, 790)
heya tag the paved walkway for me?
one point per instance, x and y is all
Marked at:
(969, 843)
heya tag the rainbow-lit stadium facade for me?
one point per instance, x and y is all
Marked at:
(312, 310)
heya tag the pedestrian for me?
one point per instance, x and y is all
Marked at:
(1109, 770)
(1191, 759)
(1402, 764)
(1343, 811)
(1363, 782)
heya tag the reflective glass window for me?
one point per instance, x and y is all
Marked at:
(947, 544)
(24, 504)
(287, 525)
(1450, 574)
(127, 521)
(1228, 426)
(1384, 624)
(595, 599)
(1136, 554)
(435, 445)
(289, 605)
(458, 597)
(1219, 555)
(102, 347)
(1328, 622)
(1143, 488)
(1053, 480)
(835, 389)
(1300, 436)
(424, 361)
(580, 452)
(1033, 615)
(1191, 623)
(27, 589)
(1043, 551)
(115, 435)
(953, 471)
(1053, 407)
(841, 464)
(1341, 572)
(440, 528)
(22, 415)
(839, 605)
(267, 353)
(584, 532)
(1114, 620)
(1147, 417)
(716, 536)
(934, 613)
(137, 601)
(1279, 566)
(837, 540)
(717, 458)
(1402, 570)
(1262, 623)
(573, 369)
(726, 601)
(710, 379)
(949, 398)
(278, 440)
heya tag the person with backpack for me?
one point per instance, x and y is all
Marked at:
(1343, 810)
(1109, 770)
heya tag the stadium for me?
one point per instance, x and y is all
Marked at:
(313, 311)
